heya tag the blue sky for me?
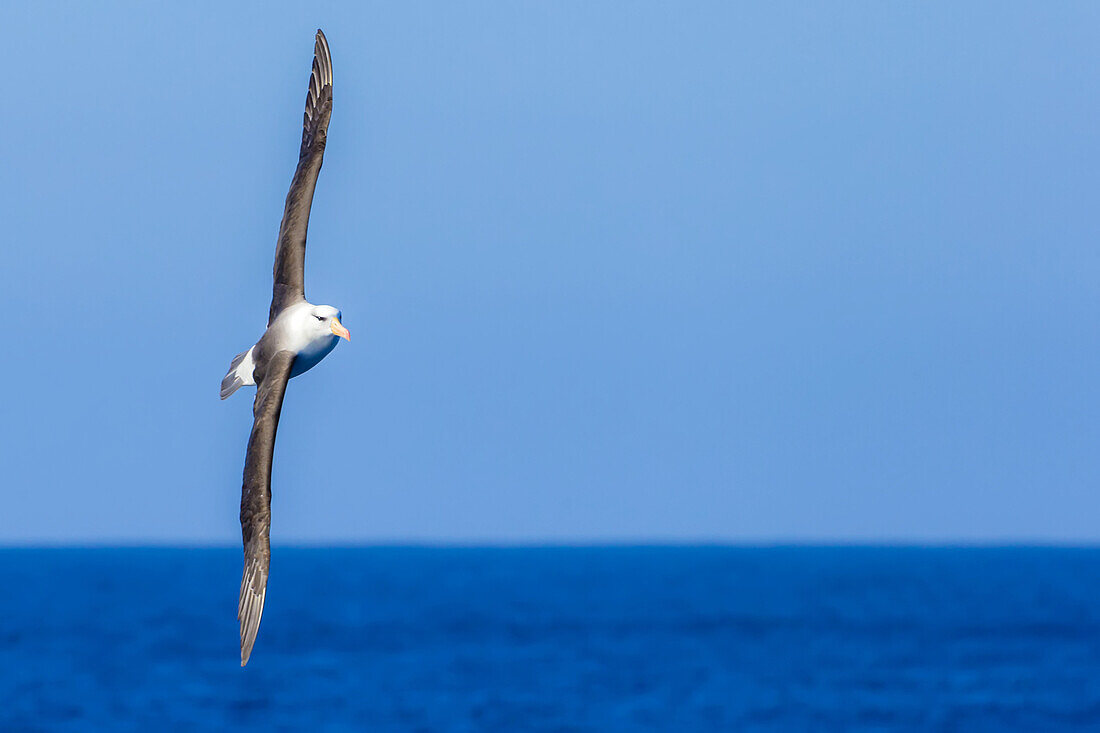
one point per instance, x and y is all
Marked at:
(613, 271)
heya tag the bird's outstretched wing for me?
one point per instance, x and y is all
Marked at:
(256, 495)
(290, 253)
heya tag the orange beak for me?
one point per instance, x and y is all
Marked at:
(339, 330)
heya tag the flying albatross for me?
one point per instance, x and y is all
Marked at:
(299, 334)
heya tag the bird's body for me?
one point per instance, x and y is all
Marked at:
(298, 336)
(295, 330)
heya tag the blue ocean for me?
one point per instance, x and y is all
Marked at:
(555, 639)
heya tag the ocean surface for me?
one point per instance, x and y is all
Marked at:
(555, 639)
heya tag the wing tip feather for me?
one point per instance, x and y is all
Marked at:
(250, 606)
(319, 91)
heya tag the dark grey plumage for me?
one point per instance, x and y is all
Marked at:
(272, 377)
(275, 365)
(290, 254)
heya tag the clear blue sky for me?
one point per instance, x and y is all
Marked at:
(613, 271)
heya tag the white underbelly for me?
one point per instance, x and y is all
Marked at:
(310, 356)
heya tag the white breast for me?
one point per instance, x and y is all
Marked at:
(298, 331)
(312, 354)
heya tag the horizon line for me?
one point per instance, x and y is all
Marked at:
(581, 543)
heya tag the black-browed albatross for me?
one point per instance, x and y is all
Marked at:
(299, 334)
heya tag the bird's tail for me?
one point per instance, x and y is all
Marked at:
(239, 374)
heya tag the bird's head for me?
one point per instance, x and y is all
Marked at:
(325, 320)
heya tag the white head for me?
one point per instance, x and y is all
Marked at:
(323, 321)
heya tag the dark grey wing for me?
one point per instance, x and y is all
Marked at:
(256, 495)
(290, 253)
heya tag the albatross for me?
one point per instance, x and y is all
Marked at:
(299, 334)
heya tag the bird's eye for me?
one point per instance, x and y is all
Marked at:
(319, 318)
